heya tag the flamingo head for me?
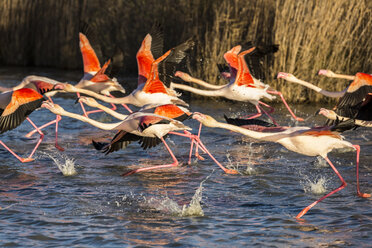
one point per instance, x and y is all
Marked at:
(183, 75)
(65, 87)
(88, 101)
(327, 73)
(330, 114)
(287, 76)
(54, 108)
(206, 120)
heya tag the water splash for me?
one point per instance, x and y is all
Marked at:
(318, 186)
(320, 162)
(165, 205)
(249, 167)
(65, 164)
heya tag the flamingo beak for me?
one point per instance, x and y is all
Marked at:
(77, 100)
(317, 112)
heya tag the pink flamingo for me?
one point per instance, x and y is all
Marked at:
(94, 78)
(45, 87)
(148, 128)
(351, 99)
(243, 85)
(316, 141)
(15, 106)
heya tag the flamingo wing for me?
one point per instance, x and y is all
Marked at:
(175, 60)
(365, 110)
(120, 141)
(41, 86)
(254, 60)
(90, 59)
(353, 99)
(154, 86)
(157, 42)
(254, 125)
(172, 111)
(21, 103)
(100, 76)
(144, 60)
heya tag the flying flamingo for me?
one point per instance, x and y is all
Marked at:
(94, 78)
(350, 99)
(363, 116)
(45, 87)
(151, 92)
(15, 106)
(168, 110)
(316, 141)
(243, 85)
(148, 128)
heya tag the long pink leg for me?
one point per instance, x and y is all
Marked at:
(41, 127)
(259, 113)
(82, 105)
(228, 171)
(285, 103)
(343, 185)
(197, 140)
(191, 136)
(175, 163)
(365, 195)
(267, 106)
(197, 146)
(29, 159)
(58, 118)
(23, 160)
(40, 139)
(86, 113)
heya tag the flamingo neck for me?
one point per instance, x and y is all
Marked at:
(253, 134)
(333, 94)
(203, 83)
(111, 112)
(121, 100)
(104, 126)
(217, 92)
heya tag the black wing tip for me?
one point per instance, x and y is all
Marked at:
(342, 126)
(243, 122)
(98, 145)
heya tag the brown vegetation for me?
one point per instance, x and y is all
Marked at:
(312, 34)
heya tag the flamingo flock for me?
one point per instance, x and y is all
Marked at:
(163, 112)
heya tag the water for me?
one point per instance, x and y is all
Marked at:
(193, 205)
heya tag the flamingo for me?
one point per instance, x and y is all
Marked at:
(243, 85)
(362, 117)
(350, 99)
(15, 106)
(44, 86)
(153, 91)
(148, 128)
(316, 141)
(94, 78)
(168, 110)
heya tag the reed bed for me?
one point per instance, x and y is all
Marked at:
(312, 35)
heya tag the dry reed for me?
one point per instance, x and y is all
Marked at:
(312, 34)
